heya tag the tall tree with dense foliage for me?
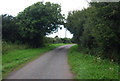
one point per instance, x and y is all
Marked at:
(38, 20)
(97, 29)
(10, 30)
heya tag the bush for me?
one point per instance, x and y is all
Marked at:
(97, 29)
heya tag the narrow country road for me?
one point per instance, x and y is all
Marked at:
(51, 65)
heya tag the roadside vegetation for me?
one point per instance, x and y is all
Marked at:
(96, 29)
(18, 57)
(31, 26)
(86, 66)
(8, 47)
(24, 36)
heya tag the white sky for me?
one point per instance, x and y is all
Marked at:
(13, 7)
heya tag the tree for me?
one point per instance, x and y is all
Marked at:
(107, 28)
(97, 29)
(10, 30)
(39, 20)
(75, 22)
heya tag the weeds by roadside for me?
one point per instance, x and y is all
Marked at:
(85, 66)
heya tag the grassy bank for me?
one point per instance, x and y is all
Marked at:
(18, 57)
(85, 66)
(8, 47)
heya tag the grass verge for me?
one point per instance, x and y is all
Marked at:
(8, 47)
(85, 66)
(19, 57)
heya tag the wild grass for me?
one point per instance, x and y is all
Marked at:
(17, 58)
(8, 47)
(85, 66)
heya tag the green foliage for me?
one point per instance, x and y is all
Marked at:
(33, 24)
(10, 30)
(97, 29)
(38, 20)
(85, 66)
(66, 40)
(74, 23)
(8, 47)
(57, 40)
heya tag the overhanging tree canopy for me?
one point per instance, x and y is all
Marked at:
(97, 29)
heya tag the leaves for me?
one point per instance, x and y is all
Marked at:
(38, 20)
(96, 28)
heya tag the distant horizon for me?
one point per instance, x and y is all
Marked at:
(63, 30)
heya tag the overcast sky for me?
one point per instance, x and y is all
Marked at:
(13, 7)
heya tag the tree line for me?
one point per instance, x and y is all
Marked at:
(33, 24)
(97, 29)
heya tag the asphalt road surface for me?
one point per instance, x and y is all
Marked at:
(51, 65)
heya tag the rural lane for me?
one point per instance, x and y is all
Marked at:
(51, 65)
